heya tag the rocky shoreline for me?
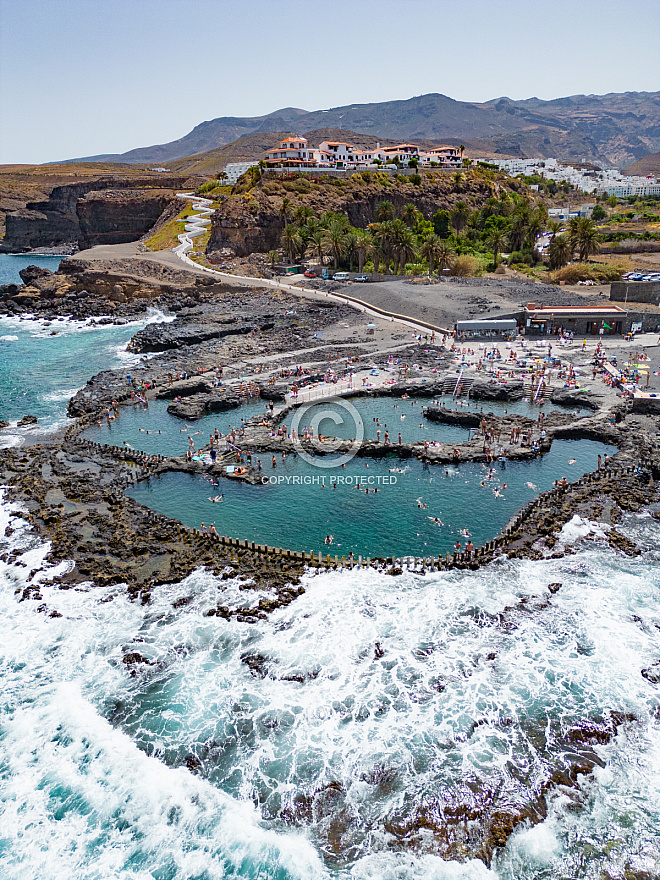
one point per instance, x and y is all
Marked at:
(73, 491)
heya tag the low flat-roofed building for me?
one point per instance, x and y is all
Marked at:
(501, 328)
(581, 320)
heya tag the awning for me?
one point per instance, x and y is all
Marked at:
(502, 325)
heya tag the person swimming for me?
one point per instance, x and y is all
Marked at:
(217, 499)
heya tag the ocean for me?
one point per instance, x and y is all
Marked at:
(301, 746)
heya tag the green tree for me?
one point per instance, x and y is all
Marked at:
(583, 237)
(384, 211)
(350, 248)
(285, 210)
(496, 236)
(302, 214)
(409, 215)
(292, 242)
(383, 236)
(460, 214)
(431, 249)
(519, 223)
(612, 201)
(598, 213)
(364, 245)
(273, 257)
(335, 241)
(403, 246)
(441, 223)
(560, 251)
(445, 256)
(222, 176)
(315, 240)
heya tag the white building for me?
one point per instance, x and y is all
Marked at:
(234, 170)
(291, 151)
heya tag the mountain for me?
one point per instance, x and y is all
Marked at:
(253, 146)
(647, 165)
(613, 129)
(205, 136)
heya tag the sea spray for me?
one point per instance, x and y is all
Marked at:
(337, 718)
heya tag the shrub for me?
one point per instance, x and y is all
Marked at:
(366, 176)
(599, 272)
(465, 266)
(415, 179)
(415, 269)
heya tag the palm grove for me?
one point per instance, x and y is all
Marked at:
(461, 239)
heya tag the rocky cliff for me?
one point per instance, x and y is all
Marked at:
(81, 215)
(252, 221)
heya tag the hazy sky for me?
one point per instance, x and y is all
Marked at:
(80, 77)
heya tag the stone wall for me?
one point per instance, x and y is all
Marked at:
(636, 292)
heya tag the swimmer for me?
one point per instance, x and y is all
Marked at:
(436, 520)
(421, 503)
(217, 499)
(532, 486)
(572, 461)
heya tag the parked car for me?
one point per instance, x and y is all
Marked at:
(650, 277)
(310, 274)
(341, 276)
(361, 278)
(636, 276)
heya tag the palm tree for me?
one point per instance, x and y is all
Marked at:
(302, 214)
(222, 176)
(458, 181)
(537, 221)
(445, 255)
(334, 241)
(560, 251)
(583, 236)
(430, 249)
(285, 210)
(409, 215)
(383, 235)
(460, 214)
(462, 149)
(384, 211)
(496, 236)
(273, 256)
(364, 244)
(403, 245)
(292, 242)
(315, 241)
(350, 248)
(519, 221)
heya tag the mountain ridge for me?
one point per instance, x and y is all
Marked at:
(614, 129)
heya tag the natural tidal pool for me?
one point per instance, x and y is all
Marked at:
(152, 429)
(299, 506)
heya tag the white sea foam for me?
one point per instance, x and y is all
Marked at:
(91, 789)
(8, 338)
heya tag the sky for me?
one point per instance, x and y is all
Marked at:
(83, 77)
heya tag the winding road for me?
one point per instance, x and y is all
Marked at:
(196, 225)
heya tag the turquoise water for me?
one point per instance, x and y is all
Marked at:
(94, 780)
(387, 523)
(301, 771)
(11, 265)
(39, 372)
(133, 423)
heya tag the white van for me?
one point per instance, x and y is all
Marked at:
(341, 276)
